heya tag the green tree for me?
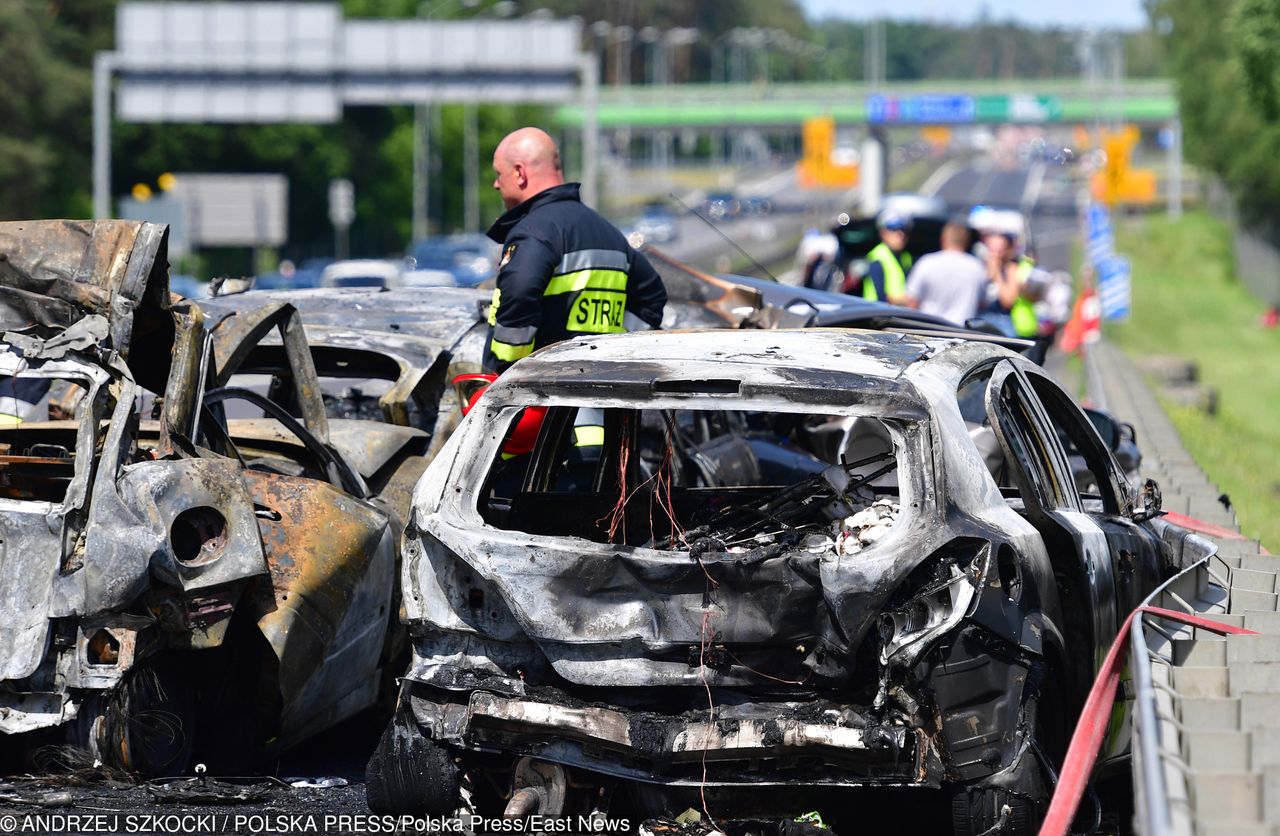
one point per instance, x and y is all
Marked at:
(44, 102)
(1225, 57)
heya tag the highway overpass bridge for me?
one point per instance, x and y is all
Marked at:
(1148, 102)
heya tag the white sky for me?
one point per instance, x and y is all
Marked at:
(1101, 14)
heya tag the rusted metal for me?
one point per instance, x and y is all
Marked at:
(127, 550)
(331, 560)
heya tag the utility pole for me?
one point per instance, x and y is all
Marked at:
(421, 169)
(875, 167)
(590, 130)
(1175, 168)
(471, 168)
(103, 67)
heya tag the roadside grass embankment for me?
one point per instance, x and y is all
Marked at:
(1188, 302)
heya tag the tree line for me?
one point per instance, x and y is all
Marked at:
(45, 103)
(1225, 58)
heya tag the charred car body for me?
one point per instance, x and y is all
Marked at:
(383, 360)
(168, 591)
(774, 575)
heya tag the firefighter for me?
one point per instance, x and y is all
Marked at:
(564, 269)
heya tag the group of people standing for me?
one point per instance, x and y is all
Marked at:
(953, 283)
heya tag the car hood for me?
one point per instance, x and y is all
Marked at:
(697, 299)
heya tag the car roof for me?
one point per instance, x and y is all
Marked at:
(835, 366)
(439, 314)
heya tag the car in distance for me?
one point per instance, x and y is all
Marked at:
(363, 272)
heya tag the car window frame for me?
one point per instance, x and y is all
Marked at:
(1116, 499)
(1054, 490)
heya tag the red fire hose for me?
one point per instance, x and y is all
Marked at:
(1087, 739)
(1201, 527)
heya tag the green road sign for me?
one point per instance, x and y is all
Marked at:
(1019, 107)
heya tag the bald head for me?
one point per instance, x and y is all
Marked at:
(526, 162)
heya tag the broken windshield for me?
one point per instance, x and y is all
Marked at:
(704, 480)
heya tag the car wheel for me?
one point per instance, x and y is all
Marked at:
(148, 725)
(984, 809)
(409, 774)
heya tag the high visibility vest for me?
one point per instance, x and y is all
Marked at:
(895, 272)
(1023, 312)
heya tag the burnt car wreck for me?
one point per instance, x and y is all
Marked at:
(173, 588)
(679, 569)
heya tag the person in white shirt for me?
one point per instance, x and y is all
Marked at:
(950, 283)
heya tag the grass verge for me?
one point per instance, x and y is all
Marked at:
(1188, 302)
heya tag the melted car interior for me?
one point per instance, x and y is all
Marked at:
(662, 478)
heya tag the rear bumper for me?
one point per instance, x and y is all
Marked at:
(754, 744)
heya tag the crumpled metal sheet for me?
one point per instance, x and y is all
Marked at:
(53, 273)
(91, 331)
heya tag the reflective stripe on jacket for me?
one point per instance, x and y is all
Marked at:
(1023, 312)
(894, 267)
(565, 270)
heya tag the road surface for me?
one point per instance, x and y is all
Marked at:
(1044, 192)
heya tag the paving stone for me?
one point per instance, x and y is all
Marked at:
(1253, 579)
(1250, 648)
(1253, 678)
(1259, 711)
(1232, 619)
(1243, 599)
(1227, 796)
(1216, 750)
(1235, 828)
(1241, 548)
(1200, 652)
(1201, 682)
(1271, 794)
(1263, 622)
(1264, 748)
(1221, 713)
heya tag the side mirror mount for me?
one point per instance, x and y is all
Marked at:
(1107, 426)
(1150, 502)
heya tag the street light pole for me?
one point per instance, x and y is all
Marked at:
(103, 67)
(421, 169)
(471, 167)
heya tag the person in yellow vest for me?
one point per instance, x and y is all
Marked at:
(1011, 278)
(22, 399)
(889, 262)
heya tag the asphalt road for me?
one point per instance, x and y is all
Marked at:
(1045, 192)
(763, 237)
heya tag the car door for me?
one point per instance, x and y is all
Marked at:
(1077, 546)
(331, 551)
(1134, 550)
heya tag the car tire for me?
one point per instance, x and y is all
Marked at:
(978, 810)
(409, 774)
(149, 722)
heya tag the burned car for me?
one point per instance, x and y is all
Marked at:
(784, 564)
(384, 360)
(170, 593)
